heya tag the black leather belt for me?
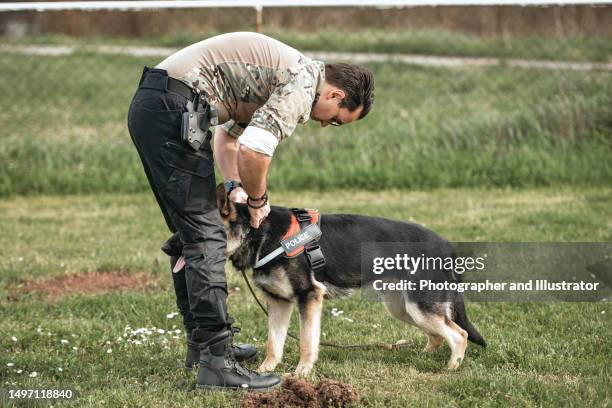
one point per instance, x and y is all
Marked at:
(181, 88)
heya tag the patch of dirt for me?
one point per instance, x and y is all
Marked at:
(336, 394)
(84, 283)
(299, 393)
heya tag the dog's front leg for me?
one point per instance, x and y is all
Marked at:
(279, 315)
(310, 330)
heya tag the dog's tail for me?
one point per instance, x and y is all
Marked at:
(462, 320)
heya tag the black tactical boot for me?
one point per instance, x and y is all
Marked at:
(242, 352)
(220, 370)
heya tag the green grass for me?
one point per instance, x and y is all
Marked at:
(63, 130)
(421, 41)
(539, 354)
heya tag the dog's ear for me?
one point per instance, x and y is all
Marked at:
(223, 202)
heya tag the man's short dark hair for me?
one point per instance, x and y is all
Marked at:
(357, 82)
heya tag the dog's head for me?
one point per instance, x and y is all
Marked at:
(236, 220)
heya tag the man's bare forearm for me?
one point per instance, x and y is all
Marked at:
(253, 171)
(226, 154)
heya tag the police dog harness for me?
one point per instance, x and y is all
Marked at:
(302, 236)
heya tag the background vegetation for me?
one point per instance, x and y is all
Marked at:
(63, 121)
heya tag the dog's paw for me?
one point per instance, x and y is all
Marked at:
(454, 364)
(303, 370)
(267, 366)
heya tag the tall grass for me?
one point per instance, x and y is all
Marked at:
(441, 42)
(63, 129)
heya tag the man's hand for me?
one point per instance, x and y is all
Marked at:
(258, 215)
(238, 195)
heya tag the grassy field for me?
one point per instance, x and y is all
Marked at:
(423, 41)
(63, 130)
(539, 354)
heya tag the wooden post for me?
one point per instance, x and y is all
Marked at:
(259, 18)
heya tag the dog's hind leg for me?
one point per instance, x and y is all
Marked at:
(457, 339)
(434, 321)
(442, 327)
(279, 316)
(433, 342)
(310, 330)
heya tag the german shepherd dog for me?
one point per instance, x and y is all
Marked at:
(287, 280)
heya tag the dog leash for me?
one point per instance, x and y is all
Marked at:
(386, 346)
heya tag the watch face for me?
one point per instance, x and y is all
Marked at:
(230, 185)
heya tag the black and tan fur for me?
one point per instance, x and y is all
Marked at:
(289, 280)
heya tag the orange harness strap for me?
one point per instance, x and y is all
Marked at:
(294, 228)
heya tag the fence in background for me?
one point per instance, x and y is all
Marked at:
(163, 17)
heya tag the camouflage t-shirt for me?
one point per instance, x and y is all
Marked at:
(252, 80)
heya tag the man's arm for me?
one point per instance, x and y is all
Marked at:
(287, 106)
(240, 163)
(226, 154)
(253, 169)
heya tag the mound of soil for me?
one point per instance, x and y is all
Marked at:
(85, 283)
(299, 393)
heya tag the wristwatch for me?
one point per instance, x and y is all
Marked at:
(231, 184)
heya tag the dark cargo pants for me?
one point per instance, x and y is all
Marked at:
(183, 182)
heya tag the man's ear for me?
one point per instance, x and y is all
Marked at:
(223, 201)
(338, 93)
